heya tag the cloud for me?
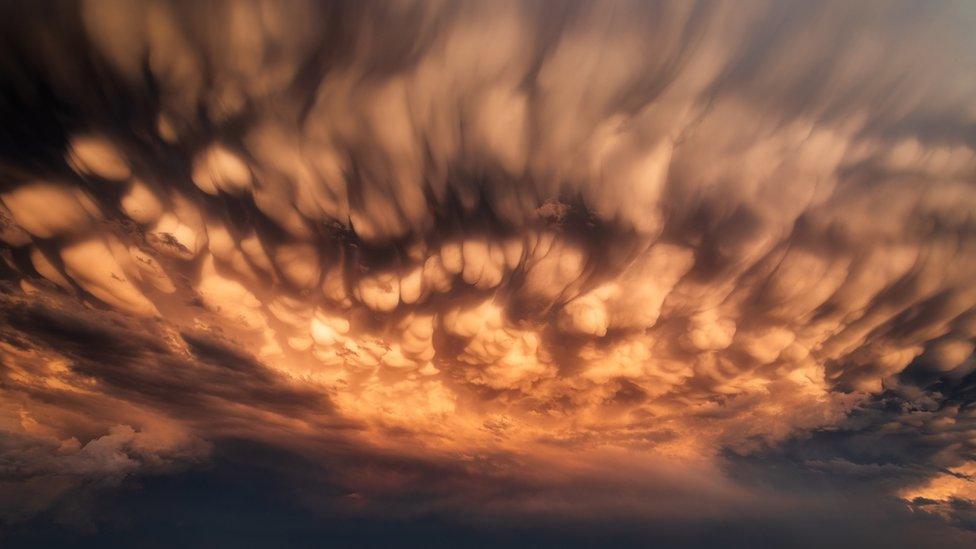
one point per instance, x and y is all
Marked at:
(521, 231)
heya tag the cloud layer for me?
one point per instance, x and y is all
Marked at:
(488, 231)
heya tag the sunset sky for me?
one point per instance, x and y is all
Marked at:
(487, 273)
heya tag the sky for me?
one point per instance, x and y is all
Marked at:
(482, 273)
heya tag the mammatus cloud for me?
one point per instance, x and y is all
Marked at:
(488, 231)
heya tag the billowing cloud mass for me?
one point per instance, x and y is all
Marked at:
(533, 243)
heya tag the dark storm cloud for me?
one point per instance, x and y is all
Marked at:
(258, 496)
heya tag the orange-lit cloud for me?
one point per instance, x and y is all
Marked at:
(548, 233)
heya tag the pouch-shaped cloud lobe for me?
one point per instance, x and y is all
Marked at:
(511, 238)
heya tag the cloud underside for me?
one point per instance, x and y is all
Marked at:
(531, 244)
